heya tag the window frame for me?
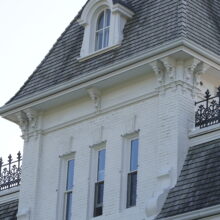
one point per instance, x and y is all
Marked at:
(119, 16)
(68, 191)
(97, 183)
(94, 149)
(130, 174)
(103, 29)
(125, 168)
(62, 192)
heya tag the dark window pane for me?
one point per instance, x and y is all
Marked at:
(68, 206)
(134, 155)
(99, 40)
(70, 175)
(107, 18)
(106, 37)
(132, 189)
(99, 195)
(101, 165)
(100, 23)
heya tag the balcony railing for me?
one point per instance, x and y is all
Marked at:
(208, 110)
(10, 173)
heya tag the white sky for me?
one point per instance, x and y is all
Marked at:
(28, 29)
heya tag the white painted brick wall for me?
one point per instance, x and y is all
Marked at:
(163, 123)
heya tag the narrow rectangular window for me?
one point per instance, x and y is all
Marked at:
(99, 185)
(69, 189)
(132, 174)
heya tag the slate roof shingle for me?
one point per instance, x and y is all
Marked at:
(155, 22)
(198, 184)
(8, 211)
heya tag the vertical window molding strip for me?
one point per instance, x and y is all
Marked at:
(129, 170)
(65, 188)
(96, 179)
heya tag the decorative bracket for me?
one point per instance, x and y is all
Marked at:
(27, 121)
(32, 118)
(199, 71)
(23, 122)
(170, 69)
(95, 95)
(158, 70)
(190, 69)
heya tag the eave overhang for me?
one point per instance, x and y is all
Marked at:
(83, 82)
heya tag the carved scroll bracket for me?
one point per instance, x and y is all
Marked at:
(95, 95)
(27, 121)
(170, 68)
(159, 71)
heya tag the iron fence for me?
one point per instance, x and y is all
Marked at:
(208, 110)
(10, 173)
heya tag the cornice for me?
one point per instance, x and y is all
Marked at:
(129, 63)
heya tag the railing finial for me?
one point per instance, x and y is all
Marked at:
(208, 113)
(10, 173)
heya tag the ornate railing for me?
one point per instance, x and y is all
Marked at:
(208, 110)
(10, 173)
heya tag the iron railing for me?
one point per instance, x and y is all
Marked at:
(208, 110)
(10, 173)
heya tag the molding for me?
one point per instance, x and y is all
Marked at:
(90, 13)
(197, 214)
(126, 12)
(98, 145)
(204, 135)
(131, 134)
(67, 154)
(144, 57)
(98, 52)
(102, 112)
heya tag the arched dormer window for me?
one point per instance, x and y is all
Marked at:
(103, 30)
(103, 22)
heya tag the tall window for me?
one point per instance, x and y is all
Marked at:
(102, 30)
(99, 185)
(69, 190)
(132, 175)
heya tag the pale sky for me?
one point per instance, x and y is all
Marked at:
(28, 29)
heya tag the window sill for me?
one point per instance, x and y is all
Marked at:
(98, 52)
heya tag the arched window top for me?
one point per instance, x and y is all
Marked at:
(103, 29)
(103, 22)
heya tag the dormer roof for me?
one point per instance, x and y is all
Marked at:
(154, 24)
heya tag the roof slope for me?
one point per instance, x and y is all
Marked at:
(8, 211)
(155, 22)
(198, 184)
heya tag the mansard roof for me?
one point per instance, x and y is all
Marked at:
(155, 23)
(9, 210)
(198, 184)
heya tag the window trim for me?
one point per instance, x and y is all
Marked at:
(68, 191)
(125, 167)
(94, 149)
(119, 16)
(103, 29)
(61, 190)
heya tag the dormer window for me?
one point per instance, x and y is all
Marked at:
(103, 30)
(103, 22)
